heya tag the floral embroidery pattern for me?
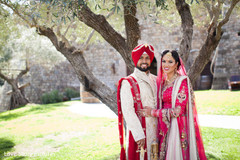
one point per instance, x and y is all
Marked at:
(184, 144)
(176, 111)
(181, 96)
(165, 117)
(165, 87)
(137, 97)
(162, 153)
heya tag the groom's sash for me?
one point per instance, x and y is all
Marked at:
(132, 147)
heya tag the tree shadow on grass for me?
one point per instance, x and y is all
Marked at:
(34, 109)
(18, 158)
(211, 156)
(5, 147)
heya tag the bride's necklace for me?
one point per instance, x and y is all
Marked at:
(168, 83)
(171, 79)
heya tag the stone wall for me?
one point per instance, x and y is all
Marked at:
(228, 57)
(169, 37)
(4, 98)
(106, 63)
(43, 79)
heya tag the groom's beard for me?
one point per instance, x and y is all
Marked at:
(143, 69)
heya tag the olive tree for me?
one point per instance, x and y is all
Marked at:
(44, 15)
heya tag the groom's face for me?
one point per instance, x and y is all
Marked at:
(144, 63)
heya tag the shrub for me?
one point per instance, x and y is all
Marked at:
(52, 97)
(71, 93)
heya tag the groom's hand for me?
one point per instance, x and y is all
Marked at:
(145, 112)
(140, 143)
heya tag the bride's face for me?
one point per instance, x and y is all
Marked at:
(168, 64)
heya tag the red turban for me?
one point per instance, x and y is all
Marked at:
(139, 50)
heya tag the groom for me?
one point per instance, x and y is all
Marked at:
(134, 92)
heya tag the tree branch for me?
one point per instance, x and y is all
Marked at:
(5, 77)
(226, 18)
(63, 38)
(216, 12)
(212, 40)
(97, 88)
(65, 33)
(131, 24)
(23, 72)
(15, 11)
(215, 9)
(87, 41)
(187, 28)
(208, 7)
(83, 48)
(100, 24)
(203, 57)
(48, 32)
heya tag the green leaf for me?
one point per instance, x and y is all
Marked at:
(118, 9)
(113, 9)
(55, 15)
(69, 18)
(63, 19)
(162, 4)
(74, 15)
(195, 0)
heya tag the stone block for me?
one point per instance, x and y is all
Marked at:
(222, 51)
(225, 36)
(86, 97)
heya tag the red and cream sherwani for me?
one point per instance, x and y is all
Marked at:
(147, 85)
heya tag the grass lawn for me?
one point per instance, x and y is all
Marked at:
(218, 102)
(221, 144)
(53, 132)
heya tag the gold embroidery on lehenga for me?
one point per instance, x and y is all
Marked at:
(181, 96)
(176, 111)
(165, 117)
(183, 136)
(163, 149)
(165, 87)
(184, 144)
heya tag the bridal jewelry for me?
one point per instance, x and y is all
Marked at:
(172, 79)
(169, 54)
(169, 83)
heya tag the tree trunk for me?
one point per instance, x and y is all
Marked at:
(18, 98)
(131, 24)
(206, 50)
(187, 29)
(77, 60)
(204, 55)
(85, 76)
